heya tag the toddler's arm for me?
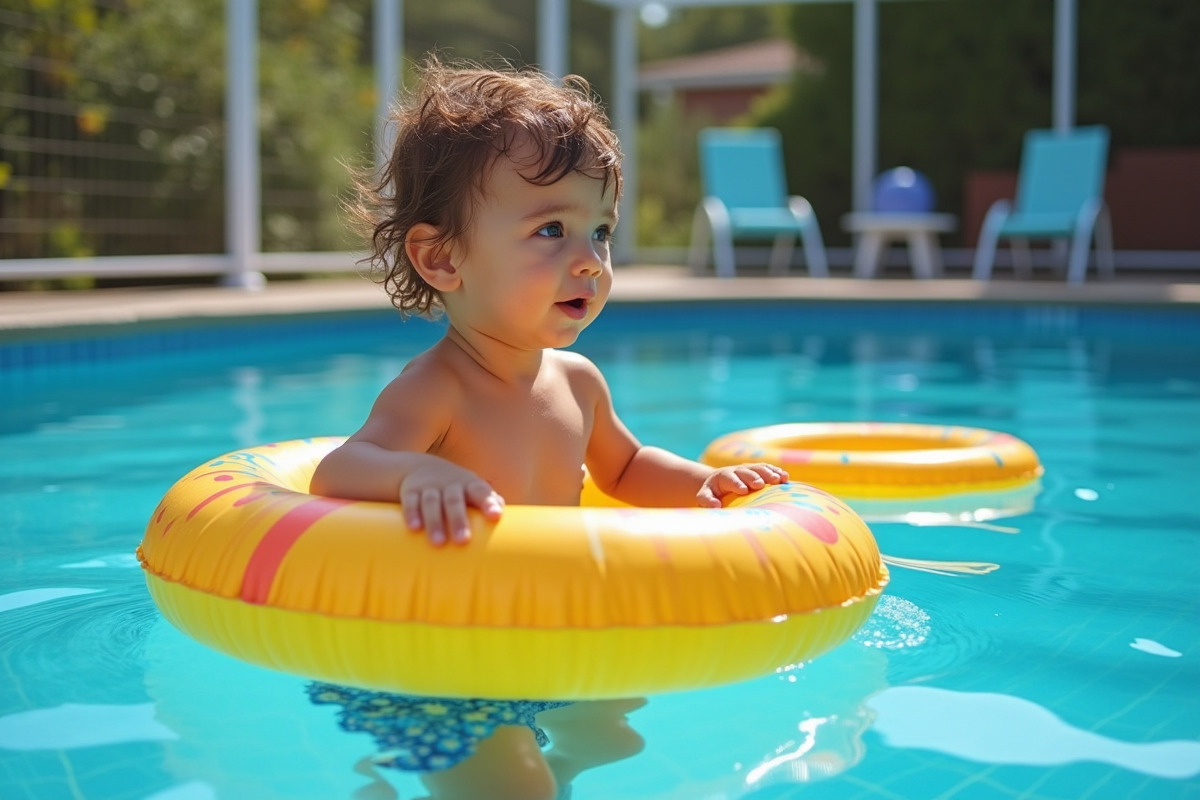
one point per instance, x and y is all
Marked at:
(626, 469)
(388, 458)
(434, 492)
(656, 477)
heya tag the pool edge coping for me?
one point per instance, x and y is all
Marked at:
(34, 315)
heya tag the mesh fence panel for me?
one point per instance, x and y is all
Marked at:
(112, 124)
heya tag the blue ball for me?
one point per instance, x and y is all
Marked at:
(902, 191)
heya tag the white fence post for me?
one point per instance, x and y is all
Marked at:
(1064, 65)
(553, 31)
(866, 100)
(389, 47)
(243, 179)
(624, 114)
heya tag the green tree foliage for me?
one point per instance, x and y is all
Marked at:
(476, 30)
(496, 32)
(1139, 72)
(118, 124)
(668, 155)
(591, 44)
(960, 82)
(316, 116)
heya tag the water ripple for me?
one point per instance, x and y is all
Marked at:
(80, 646)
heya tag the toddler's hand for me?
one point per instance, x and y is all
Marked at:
(435, 498)
(742, 479)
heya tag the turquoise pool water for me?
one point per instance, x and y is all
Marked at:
(1071, 670)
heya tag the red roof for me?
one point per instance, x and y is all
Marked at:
(753, 64)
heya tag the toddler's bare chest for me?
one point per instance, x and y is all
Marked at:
(531, 453)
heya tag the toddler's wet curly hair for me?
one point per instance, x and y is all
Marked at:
(450, 129)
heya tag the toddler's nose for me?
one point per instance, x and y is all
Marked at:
(587, 260)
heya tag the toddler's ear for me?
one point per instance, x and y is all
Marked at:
(431, 259)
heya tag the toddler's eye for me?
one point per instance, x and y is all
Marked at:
(602, 234)
(554, 230)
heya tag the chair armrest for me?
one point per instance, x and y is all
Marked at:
(993, 220)
(814, 244)
(716, 211)
(1088, 212)
(989, 234)
(800, 207)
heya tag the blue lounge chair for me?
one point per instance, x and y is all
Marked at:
(745, 197)
(1060, 196)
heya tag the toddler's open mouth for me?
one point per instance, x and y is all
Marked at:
(575, 308)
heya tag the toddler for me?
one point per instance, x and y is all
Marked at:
(497, 208)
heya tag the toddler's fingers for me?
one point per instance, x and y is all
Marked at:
(410, 501)
(483, 497)
(731, 481)
(706, 498)
(751, 477)
(769, 473)
(454, 506)
(431, 513)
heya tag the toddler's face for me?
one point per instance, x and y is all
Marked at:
(535, 262)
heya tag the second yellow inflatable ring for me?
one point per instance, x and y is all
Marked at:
(876, 460)
(550, 602)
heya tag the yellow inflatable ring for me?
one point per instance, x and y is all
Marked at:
(866, 460)
(550, 602)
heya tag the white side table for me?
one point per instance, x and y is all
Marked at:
(876, 230)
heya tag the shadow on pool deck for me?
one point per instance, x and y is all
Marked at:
(34, 314)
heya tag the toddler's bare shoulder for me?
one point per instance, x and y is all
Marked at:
(573, 363)
(583, 376)
(424, 380)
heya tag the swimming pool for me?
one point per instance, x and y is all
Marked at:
(1070, 671)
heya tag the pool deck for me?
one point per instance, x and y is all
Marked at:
(36, 314)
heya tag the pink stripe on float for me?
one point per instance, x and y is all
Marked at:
(277, 541)
(222, 493)
(790, 456)
(267, 491)
(809, 521)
